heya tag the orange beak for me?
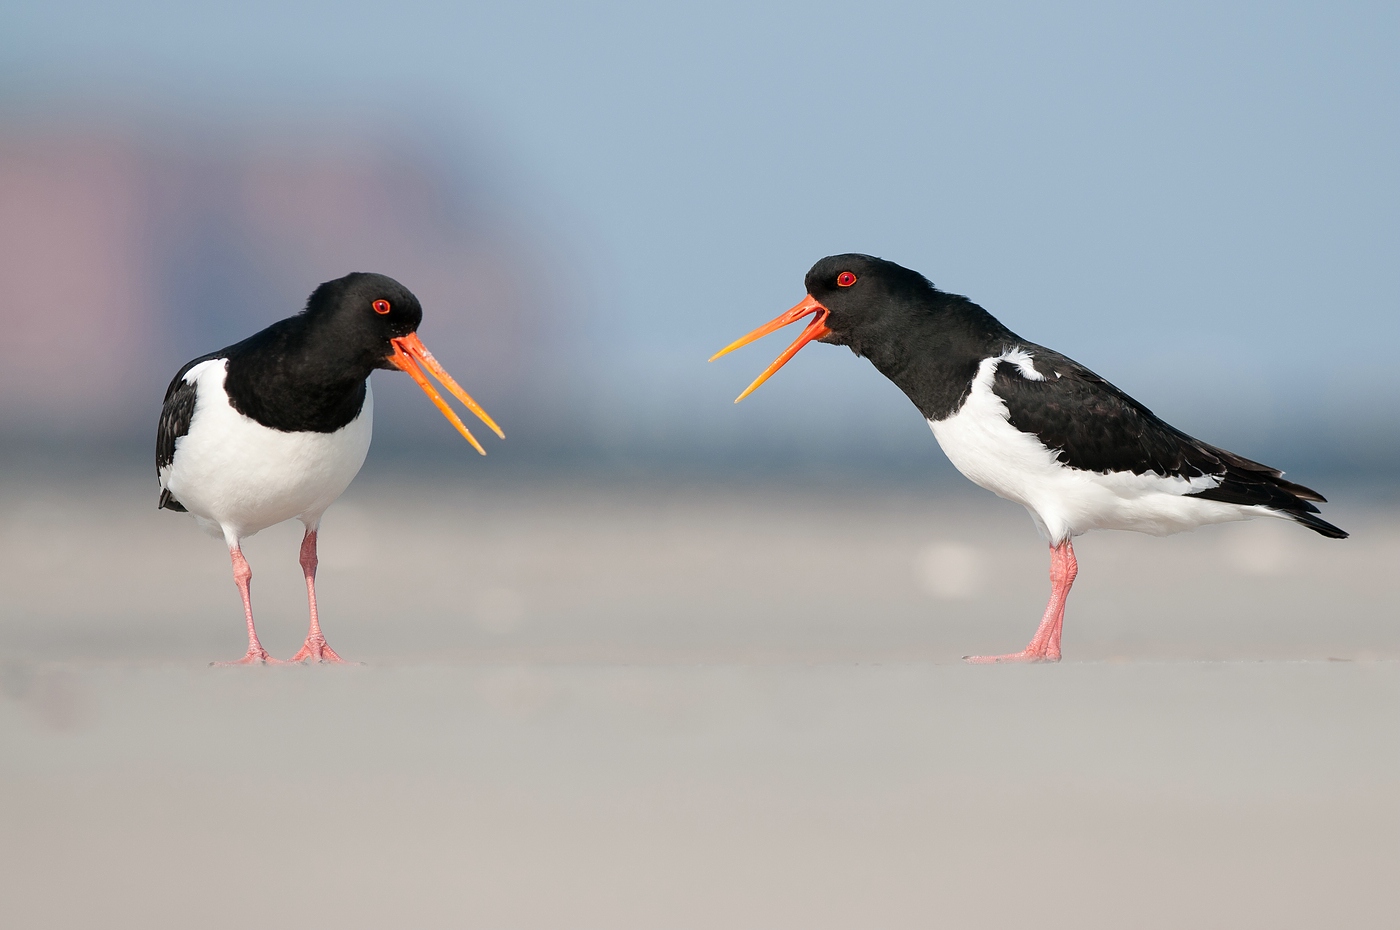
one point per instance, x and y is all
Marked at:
(407, 350)
(815, 330)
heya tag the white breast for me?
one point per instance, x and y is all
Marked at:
(981, 442)
(234, 472)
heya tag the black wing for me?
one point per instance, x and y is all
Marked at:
(1096, 427)
(175, 417)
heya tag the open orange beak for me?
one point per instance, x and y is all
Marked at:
(815, 330)
(407, 350)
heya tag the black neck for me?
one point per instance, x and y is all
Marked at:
(931, 348)
(297, 376)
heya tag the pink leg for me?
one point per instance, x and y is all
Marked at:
(243, 577)
(315, 647)
(1045, 645)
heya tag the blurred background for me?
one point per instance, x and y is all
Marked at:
(661, 660)
(1198, 202)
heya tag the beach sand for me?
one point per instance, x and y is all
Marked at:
(651, 706)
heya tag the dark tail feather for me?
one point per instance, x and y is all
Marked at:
(1249, 483)
(1300, 492)
(1254, 471)
(1313, 522)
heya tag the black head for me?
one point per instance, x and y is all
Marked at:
(375, 313)
(862, 292)
(350, 327)
(364, 313)
(883, 311)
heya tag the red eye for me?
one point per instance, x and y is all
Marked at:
(845, 279)
(382, 306)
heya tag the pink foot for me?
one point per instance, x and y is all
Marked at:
(254, 657)
(243, 577)
(1024, 656)
(1045, 645)
(316, 649)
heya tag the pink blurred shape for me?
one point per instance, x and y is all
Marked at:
(123, 254)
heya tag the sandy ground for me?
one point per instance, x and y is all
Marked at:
(616, 707)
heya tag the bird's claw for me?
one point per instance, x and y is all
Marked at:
(254, 657)
(316, 649)
(1026, 656)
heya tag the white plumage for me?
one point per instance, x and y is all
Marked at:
(275, 427)
(1032, 425)
(237, 476)
(981, 442)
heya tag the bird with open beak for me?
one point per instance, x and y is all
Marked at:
(1030, 424)
(275, 427)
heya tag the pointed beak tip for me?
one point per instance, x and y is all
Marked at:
(815, 330)
(409, 349)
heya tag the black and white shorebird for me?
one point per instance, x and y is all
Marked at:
(276, 427)
(1030, 424)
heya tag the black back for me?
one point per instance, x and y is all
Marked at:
(931, 344)
(306, 373)
(1097, 427)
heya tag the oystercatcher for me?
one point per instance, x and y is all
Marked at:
(276, 426)
(1030, 424)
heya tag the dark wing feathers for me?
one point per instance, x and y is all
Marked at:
(1097, 427)
(175, 416)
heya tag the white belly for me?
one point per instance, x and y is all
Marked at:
(982, 444)
(232, 471)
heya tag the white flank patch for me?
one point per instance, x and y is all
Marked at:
(1022, 360)
(238, 477)
(981, 442)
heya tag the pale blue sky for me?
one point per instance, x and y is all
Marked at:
(1200, 201)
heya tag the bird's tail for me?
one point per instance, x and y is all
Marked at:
(1251, 484)
(1318, 525)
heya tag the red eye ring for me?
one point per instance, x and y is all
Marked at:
(381, 306)
(845, 279)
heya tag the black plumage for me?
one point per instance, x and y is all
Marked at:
(175, 416)
(1030, 424)
(275, 427)
(1094, 426)
(306, 373)
(931, 344)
